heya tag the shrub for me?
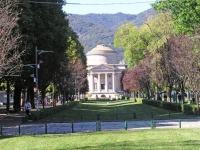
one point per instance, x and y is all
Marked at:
(43, 113)
(133, 99)
(103, 96)
(139, 100)
(185, 108)
(189, 109)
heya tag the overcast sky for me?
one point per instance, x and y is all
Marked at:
(82, 6)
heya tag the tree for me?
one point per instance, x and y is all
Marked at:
(168, 71)
(10, 55)
(129, 38)
(10, 41)
(136, 42)
(185, 14)
(121, 80)
(80, 78)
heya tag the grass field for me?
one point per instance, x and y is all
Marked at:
(165, 139)
(109, 111)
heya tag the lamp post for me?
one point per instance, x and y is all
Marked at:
(37, 66)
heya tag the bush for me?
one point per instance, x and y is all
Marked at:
(133, 99)
(43, 113)
(83, 100)
(189, 109)
(127, 98)
(139, 100)
(103, 96)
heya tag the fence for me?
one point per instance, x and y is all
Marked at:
(71, 127)
(113, 117)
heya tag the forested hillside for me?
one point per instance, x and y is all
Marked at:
(94, 29)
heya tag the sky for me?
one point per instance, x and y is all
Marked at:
(82, 7)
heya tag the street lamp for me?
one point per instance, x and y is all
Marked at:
(37, 66)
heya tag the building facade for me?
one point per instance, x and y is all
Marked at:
(104, 71)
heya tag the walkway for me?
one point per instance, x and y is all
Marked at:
(96, 126)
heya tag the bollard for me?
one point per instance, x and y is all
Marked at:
(24, 119)
(153, 124)
(45, 128)
(1, 130)
(98, 126)
(72, 127)
(180, 123)
(134, 115)
(98, 116)
(125, 125)
(19, 129)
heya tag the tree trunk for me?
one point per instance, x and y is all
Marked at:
(197, 102)
(8, 97)
(43, 96)
(17, 98)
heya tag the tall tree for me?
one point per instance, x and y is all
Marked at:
(10, 55)
(185, 14)
(136, 42)
(129, 38)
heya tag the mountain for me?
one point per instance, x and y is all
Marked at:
(94, 29)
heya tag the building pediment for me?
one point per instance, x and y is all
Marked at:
(102, 67)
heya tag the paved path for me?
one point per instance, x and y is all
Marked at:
(93, 126)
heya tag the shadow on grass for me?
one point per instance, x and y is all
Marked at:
(126, 110)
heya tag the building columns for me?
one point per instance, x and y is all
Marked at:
(92, 87)
(113, 81)
(106, 82)
(99, 84)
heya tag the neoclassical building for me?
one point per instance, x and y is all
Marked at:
(104, 71)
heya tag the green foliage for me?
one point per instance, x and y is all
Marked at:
(136, 42)
(89, 95)
(126, 98)
(127, 38)
(185, 14)
(153, 103)
(189, 109)
(133, 99)
(139, 100)
(83, 100)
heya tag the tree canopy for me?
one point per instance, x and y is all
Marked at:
(185, 14)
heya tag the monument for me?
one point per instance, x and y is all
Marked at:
(104, 71)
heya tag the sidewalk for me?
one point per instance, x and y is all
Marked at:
(16, 118)
(97, 126)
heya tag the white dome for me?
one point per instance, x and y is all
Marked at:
(101, 54)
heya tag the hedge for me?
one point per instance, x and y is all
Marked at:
(189, 109)
(43, 113)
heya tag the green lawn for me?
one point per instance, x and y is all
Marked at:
(162, 139)
(113, 111)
